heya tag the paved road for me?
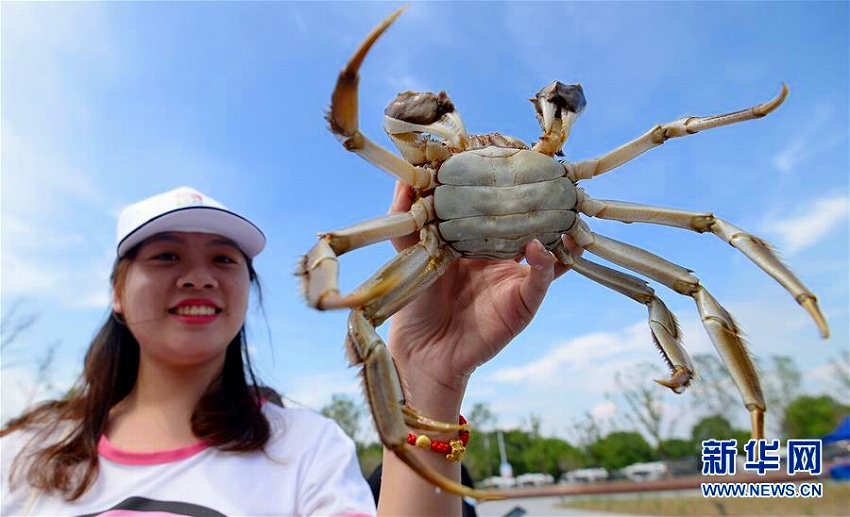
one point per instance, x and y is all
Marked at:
(534, 506)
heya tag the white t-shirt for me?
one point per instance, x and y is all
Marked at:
(309, 467)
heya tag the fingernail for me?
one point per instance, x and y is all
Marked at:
(540, 249)
(539, 245)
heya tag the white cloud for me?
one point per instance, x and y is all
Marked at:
(21, 391)
(580, 374)
(314, 391)
(604, 411)
(45, 264)
(21, 277)
(94, 300)
(580, 352)
(591, 360)
(806, 229)
(824, 379)
(812, 139)
(51, 199)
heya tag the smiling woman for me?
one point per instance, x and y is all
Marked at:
(168, 415)
(195, 324)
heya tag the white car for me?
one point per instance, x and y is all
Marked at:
(497, 482)
(584, 476)
(645, 471)
(534, 479)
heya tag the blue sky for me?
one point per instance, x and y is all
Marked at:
(106, 103)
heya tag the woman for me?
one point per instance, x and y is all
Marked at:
(164, 419)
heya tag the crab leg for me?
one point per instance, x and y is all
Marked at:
(722, 330)
(662, 323)
(384, 393)
(343, 118)
(409, 273)
(393, 286)
(319, 268)
(661, 133)
(422, 265)
(750, 245)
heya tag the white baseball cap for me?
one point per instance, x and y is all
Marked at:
(185, 209)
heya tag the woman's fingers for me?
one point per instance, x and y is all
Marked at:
(401, 203)
(541, 273)
(574, 248)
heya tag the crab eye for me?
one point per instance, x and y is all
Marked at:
(568, 97)
(422, 108)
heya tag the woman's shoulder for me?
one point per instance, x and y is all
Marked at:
(329, 480)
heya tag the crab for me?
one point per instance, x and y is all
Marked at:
(486, 197)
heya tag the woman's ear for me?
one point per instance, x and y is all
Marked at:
(116, 302)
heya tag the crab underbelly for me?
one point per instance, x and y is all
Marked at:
(486, 214)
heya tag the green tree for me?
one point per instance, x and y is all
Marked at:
(369, 457)
(573, 458)
(534, 423)
(482, 453)
(714, 391)
(583, 433)
(346, 413)
(549, 455)
(641, 402)
(620, 449)
(717, 427)
(781, 385)
(517, 442)
(676, 448)
(812, 417)
(480, 417)
(528, 452)
(839, 369)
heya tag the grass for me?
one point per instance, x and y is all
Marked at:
(835, 502)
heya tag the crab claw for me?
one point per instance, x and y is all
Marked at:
(677, 382)
(556, 98)
(425, 112)
(342, 116)
(558, 106)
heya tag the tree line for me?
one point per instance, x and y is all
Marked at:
(641, 431)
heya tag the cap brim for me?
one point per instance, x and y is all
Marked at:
(241, 231)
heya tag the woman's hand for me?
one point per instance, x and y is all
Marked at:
(459, 323)
(468, 316)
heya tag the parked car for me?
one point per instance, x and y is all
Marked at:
(534, 479)
(584, 476)
(645, 471)
(497, 482)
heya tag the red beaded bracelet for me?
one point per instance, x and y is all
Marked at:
(453, 449)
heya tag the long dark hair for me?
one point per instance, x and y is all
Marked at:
(228, 416)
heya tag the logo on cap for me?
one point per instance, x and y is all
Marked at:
(184, 198)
